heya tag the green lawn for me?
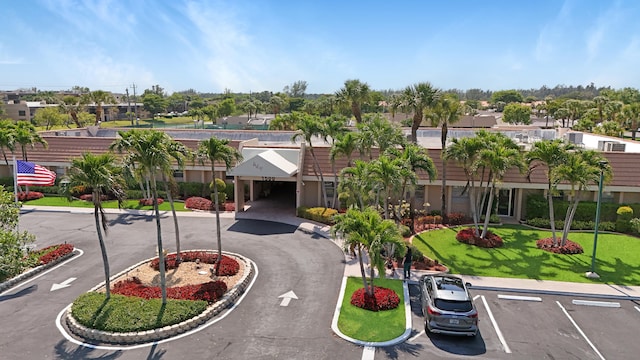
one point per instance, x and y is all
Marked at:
(112, 204)
(367, 325)
(617, 257)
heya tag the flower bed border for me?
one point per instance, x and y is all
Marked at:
(167, 331)
(36, 270)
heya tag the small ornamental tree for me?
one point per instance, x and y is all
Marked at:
(623, 222)
(12, 242)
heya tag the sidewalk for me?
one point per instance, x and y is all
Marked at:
(352, 267)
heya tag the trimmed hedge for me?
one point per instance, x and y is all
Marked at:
(319, 214)
(538, 207)
(575, 225)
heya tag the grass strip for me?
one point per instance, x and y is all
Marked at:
(110, 204)
(368, 325)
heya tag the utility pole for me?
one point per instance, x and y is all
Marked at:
(135, 104)
(129, 106)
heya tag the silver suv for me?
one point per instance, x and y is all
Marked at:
(447, 306)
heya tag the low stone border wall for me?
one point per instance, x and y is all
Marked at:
(167, 331)
(35, 271)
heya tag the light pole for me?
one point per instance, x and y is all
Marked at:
(592, 274)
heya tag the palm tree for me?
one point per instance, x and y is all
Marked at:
(465, 151)
(7, 137)
(332, 129)
(276, 103)
(26, 135)
(309, 127)
(101, 174)
(381, 132)
(386, 172)
(549, 154)
(72, 105)
(418, 98)
(357, 181)
(447, 111)
(631, 114)
(366, 230)
(355, 93)
(217, 150)
(99, 97)
(501, 155)
(344, 145)
(581, 168)
(600, 102)
(148, 151)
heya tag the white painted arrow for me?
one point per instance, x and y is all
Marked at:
(63, 284)
(286, 298)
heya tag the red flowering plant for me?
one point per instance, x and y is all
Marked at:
(89, 197)
(50, 253)
(382, 299)
(149, 201)
(569, 248)
(210, 291)
(228, 265)
(31, 195)
(468, 236)
(198, 203)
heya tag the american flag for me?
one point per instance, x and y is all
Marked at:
(29, 173)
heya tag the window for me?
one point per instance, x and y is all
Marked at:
(177, 174)
(452, 305)
(459, 195)
(22, 113)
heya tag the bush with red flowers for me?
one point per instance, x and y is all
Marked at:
(89, 197)
(382, 299)
(209, 292)
(50, 253)
(228, 265)
(198, 203)
(569, 248)
(456, 218)
(468, 236)
(31, 195)
(149, 202)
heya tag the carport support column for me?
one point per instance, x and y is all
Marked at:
(238, 193)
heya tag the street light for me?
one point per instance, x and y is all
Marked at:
(592, 274)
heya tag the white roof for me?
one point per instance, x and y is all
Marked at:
(267, 163)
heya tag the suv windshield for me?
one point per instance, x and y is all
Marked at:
(452, 305)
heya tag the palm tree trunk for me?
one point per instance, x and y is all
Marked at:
(474, 210)
(103, 250)
(571, 210)
(362, 271)
(163, 281)
(552, 218)
(335, 185)
(323, 193)
(487, 214)
(175, 217)
(216, 205)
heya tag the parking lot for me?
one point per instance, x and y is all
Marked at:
(529, 326)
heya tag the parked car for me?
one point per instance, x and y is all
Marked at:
(447, 306)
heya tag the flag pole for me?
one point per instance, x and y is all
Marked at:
(15, 180)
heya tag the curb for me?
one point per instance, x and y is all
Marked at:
(36, 270)
(561, 293)
(167, 331)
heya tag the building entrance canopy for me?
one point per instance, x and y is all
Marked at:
(270, 163)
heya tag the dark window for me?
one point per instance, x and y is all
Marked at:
(451, 305)
(22, 113)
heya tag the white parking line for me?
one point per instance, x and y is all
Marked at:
(368, 353)
(637, 308)
(596, 303)
(416, 336)
(476, 297)
(495, 325)
(522, 298)
(580, 331)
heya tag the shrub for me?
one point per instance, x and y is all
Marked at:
(623, 222)
(31, 195)
(382, 299)
(188, 189)
(458, 219)
(210, 291)
(468, 236)
(134, 194)
(149, 202)
(319, 214)
(198, 203)
(576, 225)
(228, 265)
(405, 231)
(569, 248)
(537, 206)
(127, 314)
(89, 197)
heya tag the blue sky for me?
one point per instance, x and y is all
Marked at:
(265, 45)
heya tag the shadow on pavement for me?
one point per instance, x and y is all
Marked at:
(459, 345)
(411, 349)
(155, 354)
(261, 227)
(23, 292)
(66, 350)
(128, 219)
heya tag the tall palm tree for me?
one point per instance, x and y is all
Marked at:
(446, 111)
(366, 230)
(418, 98)
(501, 155)
(147, 149)
(276, 102)
(309, 127)
(7, 138)
(217, 150)
(465, 151)
(26, 135)
(600, 102)
(101, 174)
(332, 129)
(581, 168)
(387, 173)
(355, 93)
(99, 98)
(72, 105)
(382, 132)
(344, 145)
(358, 182)
(631, 115)
(549, 154)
